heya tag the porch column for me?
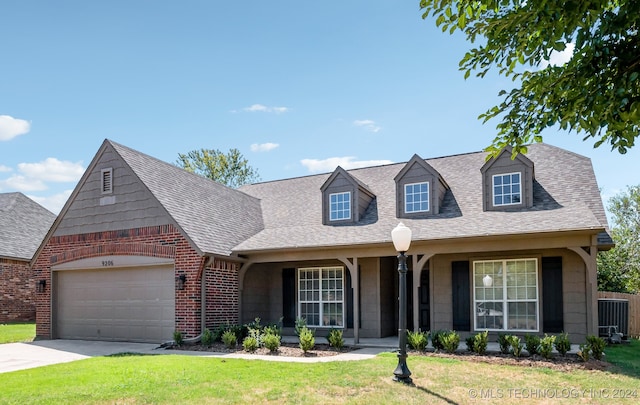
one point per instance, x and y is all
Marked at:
(418, 265)
(591, 283)
(241, 273)
(352, 265)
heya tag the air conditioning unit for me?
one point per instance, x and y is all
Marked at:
(613, 318)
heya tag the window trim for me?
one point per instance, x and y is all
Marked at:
(427, 201)
(348, 193)
(104, 187)
(505, 300)
(493, 190)
(320, 301)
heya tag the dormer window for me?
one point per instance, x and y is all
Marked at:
(416, 197)
(506, 189)
(340, 206)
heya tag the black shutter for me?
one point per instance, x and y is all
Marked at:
(552, 306)
(288, 297)
(349, 286)
(461, 296)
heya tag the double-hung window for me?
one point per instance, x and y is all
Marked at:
(506, 294)
(340, 206)
(506, 189)
(416, 197)
(321, 296)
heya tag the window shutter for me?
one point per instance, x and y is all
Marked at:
(288, 297)
(552, 306)
(461, 296)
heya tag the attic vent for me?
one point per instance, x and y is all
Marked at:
(107, 181)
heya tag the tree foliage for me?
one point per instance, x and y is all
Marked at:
(619, 268)
(231, 168)
(596, 93)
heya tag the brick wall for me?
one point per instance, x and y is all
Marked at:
(17, 290)
(163, 241)
(222, 294)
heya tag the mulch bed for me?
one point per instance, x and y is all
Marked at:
(285, 350)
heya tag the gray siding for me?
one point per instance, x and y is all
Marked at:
(134, 205)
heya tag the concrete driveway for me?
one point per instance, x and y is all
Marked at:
(20, 356)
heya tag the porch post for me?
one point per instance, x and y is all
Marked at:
(418, 265)
(352, 266)
(591, 283)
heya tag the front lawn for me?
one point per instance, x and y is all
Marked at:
(192, 379)
(626, 357)
(17, 332)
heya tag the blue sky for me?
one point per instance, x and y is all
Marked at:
(297, 87)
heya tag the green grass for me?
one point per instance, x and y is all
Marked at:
(17, 332)
(626, 357)
(192, 379)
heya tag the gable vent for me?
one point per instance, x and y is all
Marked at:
(107, 181)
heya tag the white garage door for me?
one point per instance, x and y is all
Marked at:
(126, 304)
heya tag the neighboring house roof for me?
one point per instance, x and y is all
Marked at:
(23, 225)
(566, 198)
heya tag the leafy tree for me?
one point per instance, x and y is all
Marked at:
(231, 168)
(597, 92)
(619, 268)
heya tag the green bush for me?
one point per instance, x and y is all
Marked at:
(503, 341)
(229, 339)
(436, 339)
(597, 345)
(469, 342)
(271, 341)
(450, 341)
(480, 342)
(307, 340)
(563, 344)
(584, 352)
(250, 344)
(546, 345)
(335, 338)
(301, 323)
(532, 343)
(418, 340)
(177, 337)
(516, 345)
(207, 338)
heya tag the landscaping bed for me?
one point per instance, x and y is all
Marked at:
(285, 350)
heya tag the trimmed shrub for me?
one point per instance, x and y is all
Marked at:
(307, 340)
(335, 338)
(418, 340)
(250, 344)
(597, 345)
(436, 339)
(301, 323)
(230, 339)
(563, 344)
(207, 338)
(546, 345)
(480, 342)
(516, 345)
(450, 341)
(271, 341)
(584, 352)
(532, 343)
(503, 341)
(469, 342)
(177, 337)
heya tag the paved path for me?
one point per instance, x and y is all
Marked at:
(20, 356)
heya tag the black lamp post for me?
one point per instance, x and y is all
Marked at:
(401, 237)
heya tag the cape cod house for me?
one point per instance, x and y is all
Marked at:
(142, 248)
(23, 224)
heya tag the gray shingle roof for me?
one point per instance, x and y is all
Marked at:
(566, 198)
(215, 217)
(23, 225)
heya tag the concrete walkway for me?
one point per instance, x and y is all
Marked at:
(21, 356)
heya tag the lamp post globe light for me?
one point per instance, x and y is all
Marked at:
(401, 237)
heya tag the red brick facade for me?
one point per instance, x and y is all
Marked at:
(223, 294)
(156, 241)
(17, 291)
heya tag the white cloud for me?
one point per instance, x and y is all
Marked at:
(263, 147)
(11, 127)
(22, 183)
(346, 162)
(264, 108)
(52, 169)
(53, 203)
(5, 169)
(368, 125)
(559, 58)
